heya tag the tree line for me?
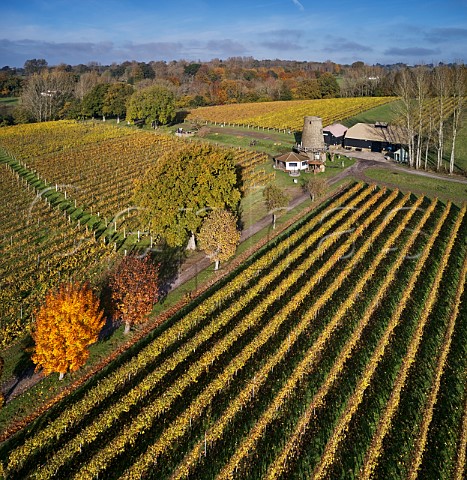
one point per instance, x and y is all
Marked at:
(431, 106)
(60, 88)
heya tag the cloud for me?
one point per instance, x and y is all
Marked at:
(282, 46)
(150, 50)
(441, 35)
(414, 52)
(343, 45)
(225, 47)
(282, 40)
(18, 51)
(299, 5)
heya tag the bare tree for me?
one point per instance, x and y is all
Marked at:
(45, 93)
(404, 88)
(441, 90)
(459, 91)
(421, 77)
(87, 81)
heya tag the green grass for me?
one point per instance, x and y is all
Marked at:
(9, 101)
(383, 113)
(17, 358)
(443, 189)
(269, 142)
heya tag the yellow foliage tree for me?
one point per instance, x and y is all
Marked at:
(219, 237)
(66, 324)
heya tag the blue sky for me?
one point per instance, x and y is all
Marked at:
(106, 31)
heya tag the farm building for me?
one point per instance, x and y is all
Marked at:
(307, 156)
(401, 155)
(291, 162)
(334, 134)
(376, 137)
(294, 163)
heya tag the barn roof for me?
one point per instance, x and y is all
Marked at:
(336, 129)
(292, 157)
(373, 133)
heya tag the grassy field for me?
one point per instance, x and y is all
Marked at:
(443, 189)
(9, 101)
(382, 113)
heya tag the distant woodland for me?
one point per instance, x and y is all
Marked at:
(64, 91)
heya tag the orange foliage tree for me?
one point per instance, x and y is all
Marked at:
(66, 324)
(134, 289)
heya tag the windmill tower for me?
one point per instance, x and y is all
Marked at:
(312, 143)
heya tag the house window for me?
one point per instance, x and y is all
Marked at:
(293, 164)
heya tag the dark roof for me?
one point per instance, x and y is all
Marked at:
(292, 157)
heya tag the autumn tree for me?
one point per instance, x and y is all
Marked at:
(66, 324)
(34, 65)
(152, 104)
(134, 289)
(115, 100)
(316, 187)
(276, 201)
(180, 189)
(308, 88)
(93, 102)
(218, 236)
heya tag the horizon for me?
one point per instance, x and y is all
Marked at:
(110, 31)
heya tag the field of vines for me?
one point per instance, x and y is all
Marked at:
(286, 115)
(44, 239)
(337, 351)
(99, 170)
(39, 249)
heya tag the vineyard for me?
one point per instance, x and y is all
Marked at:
(337, 351)
(286, 115)
(40, 248)
(70, 184)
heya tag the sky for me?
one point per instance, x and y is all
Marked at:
(113, 31)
